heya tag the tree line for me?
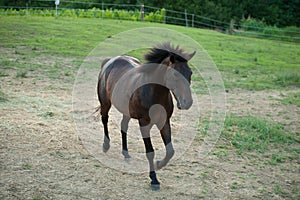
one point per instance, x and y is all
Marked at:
(280, 13)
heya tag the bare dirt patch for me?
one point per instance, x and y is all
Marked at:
(43, 158)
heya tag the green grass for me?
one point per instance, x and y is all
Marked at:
(3, 97)
(292, 98)
(254, 134)
(255, 139)
(288, 77)
(248, 63)
(21, 74)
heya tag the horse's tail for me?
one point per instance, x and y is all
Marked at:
(102, 65)
(97, 110)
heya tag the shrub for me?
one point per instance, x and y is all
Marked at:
(81, 13)
(108, 14)
(292, 32)
(68, 13)
(98, 13)
(271, 31)
(251, 24)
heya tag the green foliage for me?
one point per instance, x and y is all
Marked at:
(3, 74)
(251, 24)
(291, 31)
(158, 16)
(69, 13)
(288, 77)
(292, 98)
(260, 29)
(3, 97)
(251, 64)
(47, 114)
(280, 13)
(21, 74)
(108, 14)
(254, 134)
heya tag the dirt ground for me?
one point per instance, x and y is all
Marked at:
(42, 156)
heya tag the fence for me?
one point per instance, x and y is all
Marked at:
(144, 13)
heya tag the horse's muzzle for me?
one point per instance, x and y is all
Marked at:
(185, 104)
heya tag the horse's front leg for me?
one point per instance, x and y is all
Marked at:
(145, 130)
(166, 136)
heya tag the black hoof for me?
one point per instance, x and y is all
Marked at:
(126, 154)
(155, 182)
(106, 147)
(155, 187)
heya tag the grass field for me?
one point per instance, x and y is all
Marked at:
(253, 64)
(39, 60)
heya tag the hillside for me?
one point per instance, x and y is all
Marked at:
(254, 64)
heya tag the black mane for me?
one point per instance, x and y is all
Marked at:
(158, 53)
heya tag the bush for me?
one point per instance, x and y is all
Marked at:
(108, 14)
(271, 31)
(292, 31)
(260, 29)
(68, 13)
(81, 13)
(98, 13)
(158, 16)
(253, 25)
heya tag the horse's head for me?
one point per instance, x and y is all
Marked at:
(177, 75)
(178, 79)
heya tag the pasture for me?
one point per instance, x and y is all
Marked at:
(256, 156)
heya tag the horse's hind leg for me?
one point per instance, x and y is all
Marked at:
(124, 128)
(104, 117)
(166, 136)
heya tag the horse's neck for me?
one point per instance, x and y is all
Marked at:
(151, 73)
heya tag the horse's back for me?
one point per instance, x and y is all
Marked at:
(112, 69)
(119, 63)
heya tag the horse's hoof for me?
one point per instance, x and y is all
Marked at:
(106, 147)
(126, 155)
(155, 187)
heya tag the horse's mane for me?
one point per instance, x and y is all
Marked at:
(161, 51)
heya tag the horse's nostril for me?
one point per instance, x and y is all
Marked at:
(186, 104)
(178, 105)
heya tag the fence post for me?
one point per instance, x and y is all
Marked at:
(142, 12)
(165, 16)
(56, 5)
(102, 11)
(27, 12)
(193, 20)
(186, 20)
(231, 29)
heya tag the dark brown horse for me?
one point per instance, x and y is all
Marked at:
(143, 92)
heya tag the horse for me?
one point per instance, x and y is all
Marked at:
(150, 102)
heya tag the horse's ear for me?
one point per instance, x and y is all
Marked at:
(169, 60)
(172, 59)
(190, 56)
